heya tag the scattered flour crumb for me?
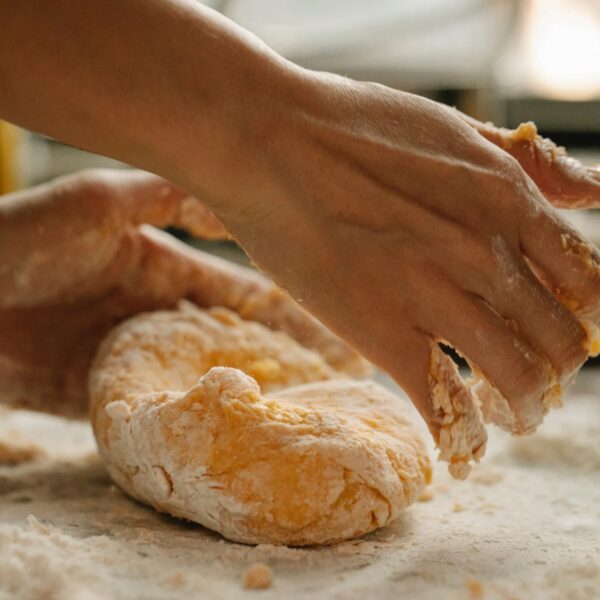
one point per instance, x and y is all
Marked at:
(458, 507)
(568, 441)
(177, 580)
(547, 449)
(475, 589)
(41, 562)
(425, 496)
(258, 577)
(35, 525)
(486, 476)
(489, 507)
(19, 450)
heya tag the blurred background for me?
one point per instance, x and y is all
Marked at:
(506, 61)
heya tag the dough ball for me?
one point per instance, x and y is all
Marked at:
(236, 427)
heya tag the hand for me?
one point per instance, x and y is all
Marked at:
(75, 261)
(400, 227)
(396, 223)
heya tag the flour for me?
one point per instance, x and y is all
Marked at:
(570, 441)
(528, 528)
(43, 563)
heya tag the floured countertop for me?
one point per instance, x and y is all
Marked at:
(525, 525)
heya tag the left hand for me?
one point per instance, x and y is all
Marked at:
(75, 261)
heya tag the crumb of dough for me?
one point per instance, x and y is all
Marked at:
(579, 248)
(487, 476)
(489, 507)
(462, 436)
(496, 409)
(177, 580)
(592, 337)
(525, 132)
(19, 450)
(458, 507)
(425, 496)
(258, 577)
(37, 526)
(475, 589)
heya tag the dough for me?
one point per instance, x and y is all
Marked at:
(236, 427)
(461, 409)
(460, 435)
(258, 577)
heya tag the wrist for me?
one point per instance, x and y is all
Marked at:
(221, 146)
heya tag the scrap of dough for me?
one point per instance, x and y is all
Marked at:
(258, 577)
(19, 450)
(460, 436)
(462, 407)
(317, 463)
(496, 409)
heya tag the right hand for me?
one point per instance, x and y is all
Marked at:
(400, 227)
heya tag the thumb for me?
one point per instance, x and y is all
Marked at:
(149, 199)
(564, 181)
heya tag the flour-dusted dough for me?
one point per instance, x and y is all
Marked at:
(460, 436)
(194, 414)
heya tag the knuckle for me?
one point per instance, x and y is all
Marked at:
(92, 187)
(530, 376)
(93, 179)
(574, 352)
(478, 249)
(90, 194)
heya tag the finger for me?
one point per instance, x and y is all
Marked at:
(496, 351)
(562, 179)
(507, 284)
(566, 262)
(432, 381)
(535, 313)
(170, 270)
(149, 199)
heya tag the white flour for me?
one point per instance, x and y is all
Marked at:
(526, 525)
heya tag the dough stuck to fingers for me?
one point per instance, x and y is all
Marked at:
(461, 436)
(236, 427)
(463, 407)
(497, 410)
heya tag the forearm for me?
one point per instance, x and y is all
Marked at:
(167, 85)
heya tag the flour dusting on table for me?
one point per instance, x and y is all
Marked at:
(528, 528)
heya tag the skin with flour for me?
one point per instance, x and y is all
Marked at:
(137, 269)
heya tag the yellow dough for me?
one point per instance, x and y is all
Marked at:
(241, 429)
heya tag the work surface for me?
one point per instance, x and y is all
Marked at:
(525, 525)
